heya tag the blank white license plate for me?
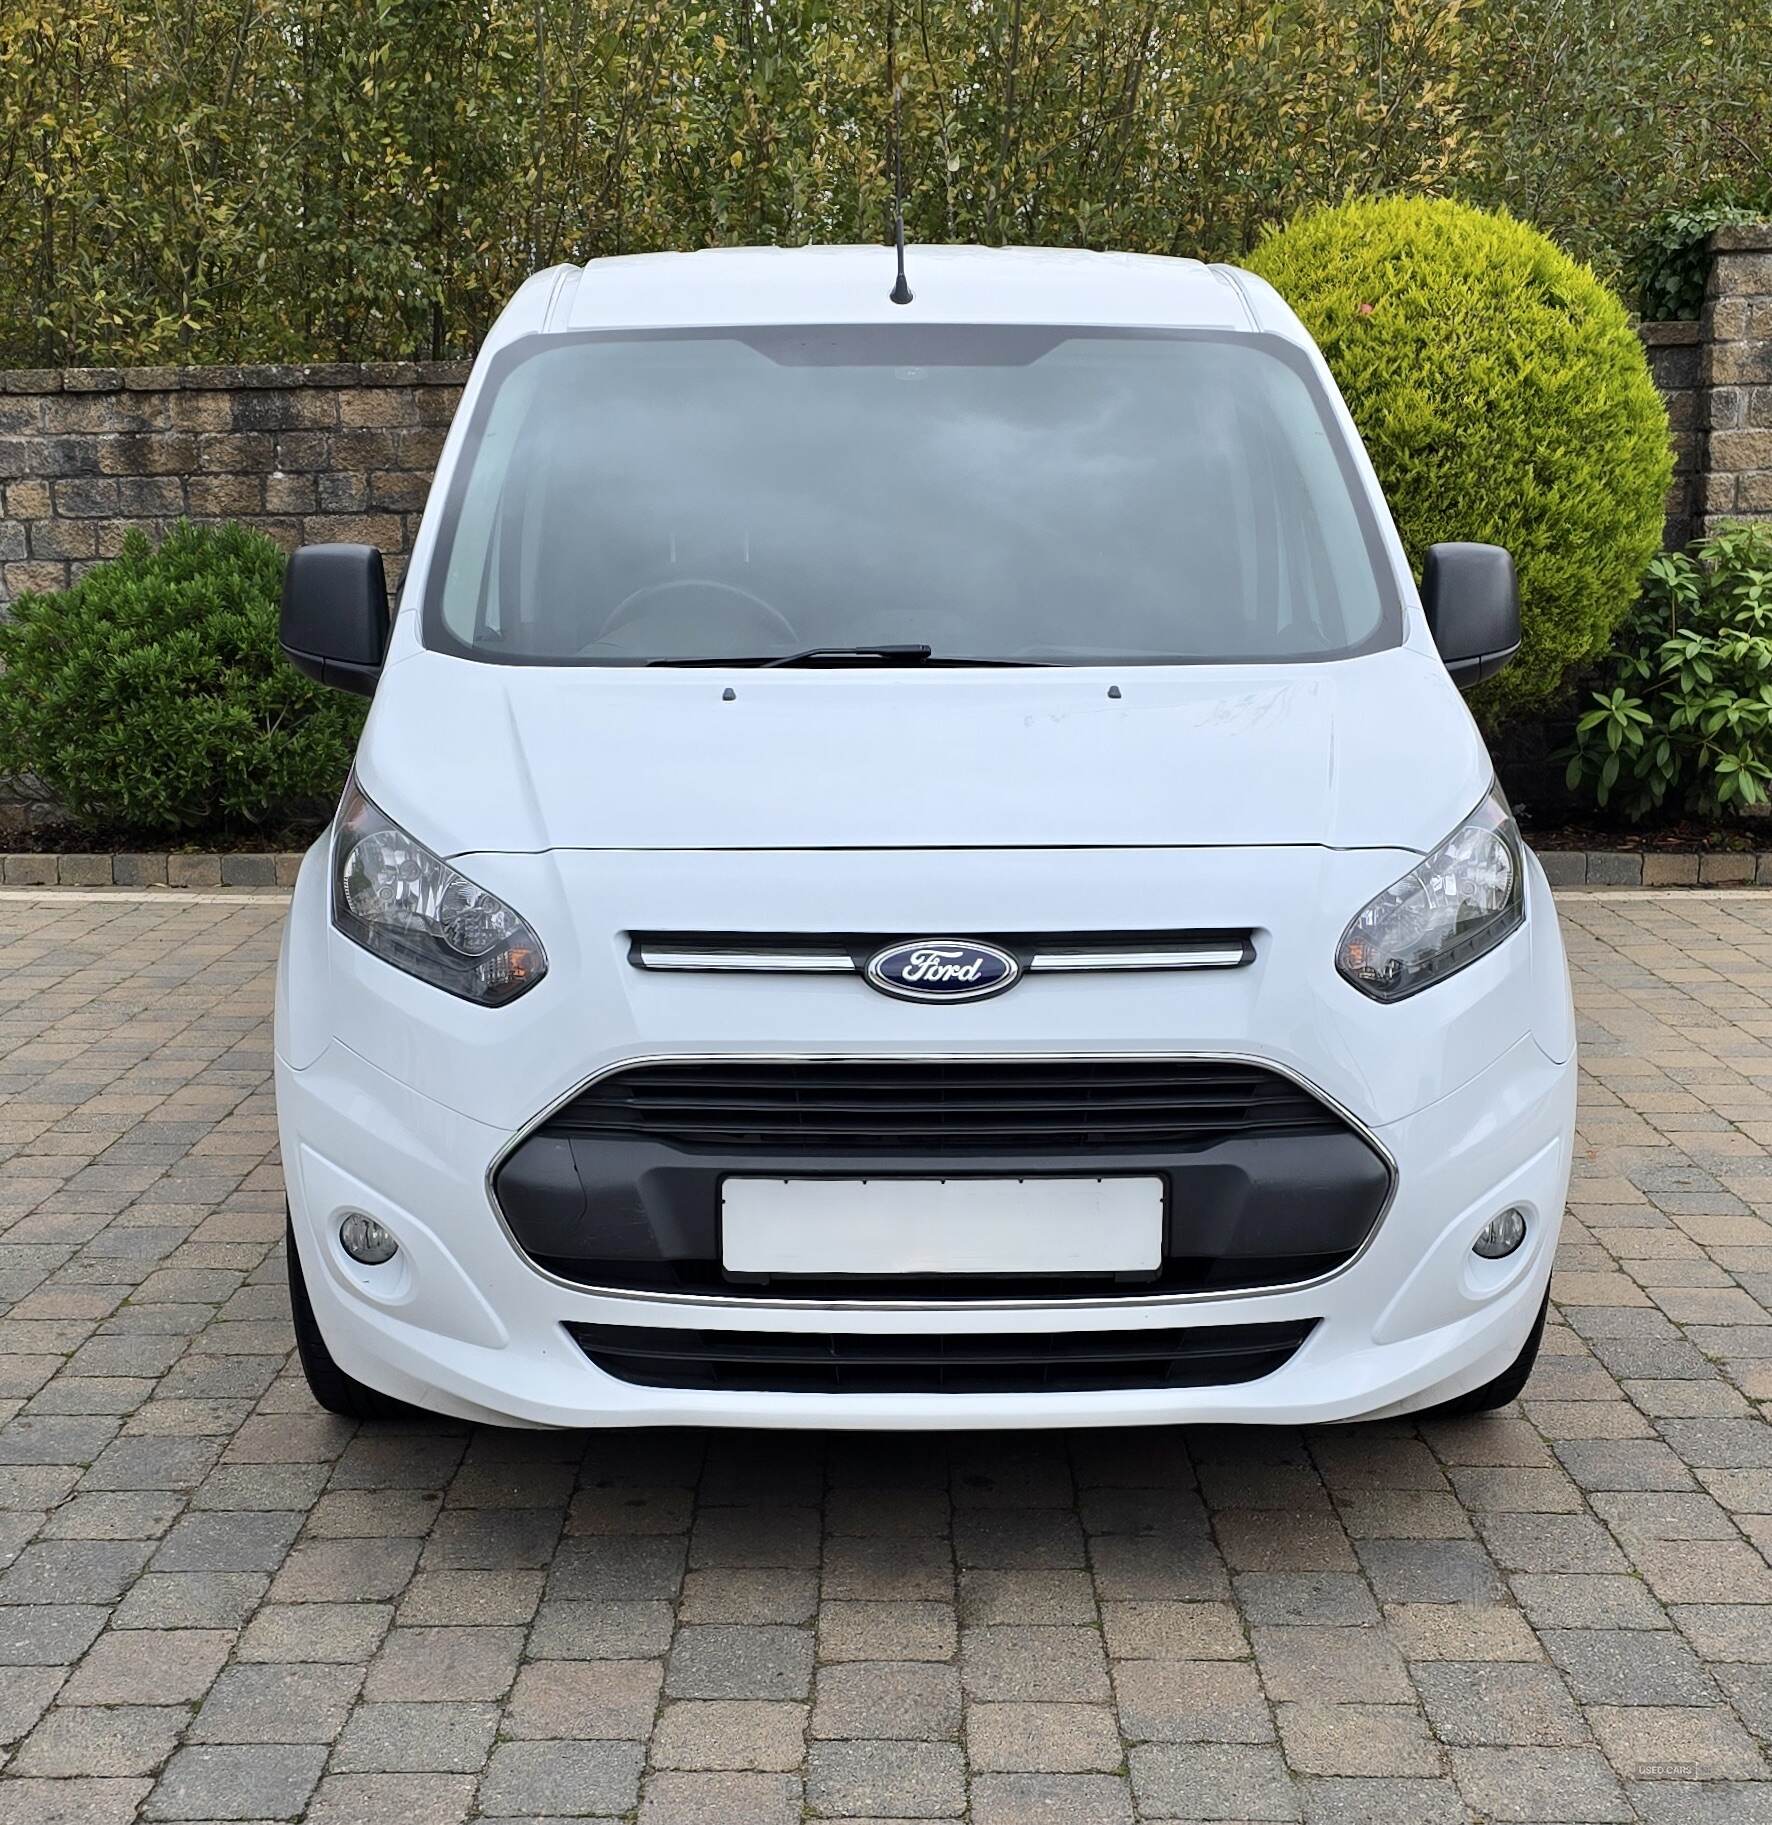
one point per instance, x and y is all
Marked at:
(941, 1226)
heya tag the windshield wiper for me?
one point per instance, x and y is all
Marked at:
(914, 654)
(890, 655)
(885, 654)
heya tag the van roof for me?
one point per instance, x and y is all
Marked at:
(744, 286)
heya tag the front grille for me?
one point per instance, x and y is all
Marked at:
(886, 1107)
(1045, 1362)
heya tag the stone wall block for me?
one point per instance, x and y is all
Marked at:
(225, 497)
(85, 497)
(436, 405)
(63, 539)
(365, 450)
(418, 450)
(285, 409)
(33, 575)
(400, 489)
(200, 410)
(160, 495)
(107, 412)
(28, 500)
(237, 451)
(1738, 364)
(342, 490)
(301, 450)
(144, 453)
(381, 529)
(291, 493)
(30, 380)
(374, 407)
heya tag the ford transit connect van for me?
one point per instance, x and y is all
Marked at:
(915, 865)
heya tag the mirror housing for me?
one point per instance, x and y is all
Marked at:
(1472, 599)
(335, 624)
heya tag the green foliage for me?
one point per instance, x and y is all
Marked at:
(228, 180)
(1503, 397)
(1672, 260)
(151, 696)
(1682, 721)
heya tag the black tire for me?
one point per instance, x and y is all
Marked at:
(1505, 1387)
(336, 1391)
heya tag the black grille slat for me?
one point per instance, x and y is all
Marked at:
(989, 1362)
(1033, 1105)
(1006, 1130)
(871, 1351)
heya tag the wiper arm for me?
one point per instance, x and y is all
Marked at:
(886, 654)
(892, 655)
(915, 654)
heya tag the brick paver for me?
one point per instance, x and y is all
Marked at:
(217, 1603)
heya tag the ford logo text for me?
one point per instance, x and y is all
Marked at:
(943, 969)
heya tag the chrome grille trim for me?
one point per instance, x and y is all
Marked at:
(847, 955)
(656, 957)
(1183, 957)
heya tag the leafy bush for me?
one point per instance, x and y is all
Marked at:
(1683, 721)
(151, 695)
(1503, 396)
(1672, 259)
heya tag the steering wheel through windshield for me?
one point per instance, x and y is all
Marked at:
(632, 606)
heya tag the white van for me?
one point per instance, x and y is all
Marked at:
(915, 866)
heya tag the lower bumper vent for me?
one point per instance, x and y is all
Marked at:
(848, 1362)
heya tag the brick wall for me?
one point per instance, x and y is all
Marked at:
(346, 452)
(1675, 356)
(305, 453)
(1736, 376)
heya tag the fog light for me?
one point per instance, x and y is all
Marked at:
(366, 1240)
(1501, 1235)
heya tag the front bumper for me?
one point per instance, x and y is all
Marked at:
(395, 1100)
(462, 1323)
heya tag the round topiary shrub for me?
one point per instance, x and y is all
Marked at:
(1503, 396)
(151, 697)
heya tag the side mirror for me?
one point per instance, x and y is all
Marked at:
(335, 624)
(1472, 599)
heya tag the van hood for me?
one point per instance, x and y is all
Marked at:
(1377, 752)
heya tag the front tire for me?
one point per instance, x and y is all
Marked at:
(335, 1390)
(1506, 1386)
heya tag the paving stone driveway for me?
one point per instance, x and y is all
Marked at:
(218, 1603)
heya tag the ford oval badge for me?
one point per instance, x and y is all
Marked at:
(943, 969)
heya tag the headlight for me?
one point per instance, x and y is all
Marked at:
(411, 909)
(1447, 911)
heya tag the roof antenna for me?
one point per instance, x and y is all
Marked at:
(901, 291)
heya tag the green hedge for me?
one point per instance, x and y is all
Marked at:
(1503, 396)
(151, 698)
(328, 180)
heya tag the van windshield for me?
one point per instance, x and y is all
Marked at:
(995, 494)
